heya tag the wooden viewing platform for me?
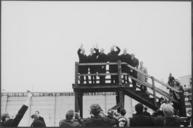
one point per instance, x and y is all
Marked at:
(150, 98)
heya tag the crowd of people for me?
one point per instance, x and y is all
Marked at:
(98, 56)
(115, 117)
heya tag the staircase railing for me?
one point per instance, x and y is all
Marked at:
(153, 78)
(119, 73)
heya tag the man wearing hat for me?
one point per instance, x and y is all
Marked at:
(37, 122)
(139, 119)
(96, 120)
(69, 122)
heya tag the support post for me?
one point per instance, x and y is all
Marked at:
(153, 88)
(120, 98)
(6, 102)
(79, 103)
(119, 72)
(55, 108)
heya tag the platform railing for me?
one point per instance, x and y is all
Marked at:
(152, 86)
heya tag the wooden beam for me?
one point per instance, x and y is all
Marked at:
(120, 98)
(79, 103)
(77, 108)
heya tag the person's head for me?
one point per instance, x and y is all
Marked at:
(177, 82)
(5, 117)
(122, 122)
(132, 56)
(102, 50)
(91, 51)
(168, 110)
(83, 51)
(145, 109)
(161, 100)
(170, 74)
(37, 113)
(112, 48)
(34, 116)
(122, 111)
(139, 108)
(69, 115)
(124, 51)
(77, 115)
(95, 109)
(110, 113)
(102, 114)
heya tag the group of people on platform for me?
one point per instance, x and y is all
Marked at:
(117, 118)
(98, 56)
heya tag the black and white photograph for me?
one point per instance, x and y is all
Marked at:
(76, 64)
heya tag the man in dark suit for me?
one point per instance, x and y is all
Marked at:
(125, 57)
(96, 120)
(139, 119)
(6, 119)
(102, 58)
(92, 58)
(37, 114)
(69, 122)
(135, 63)
(114, 57)
(82, 69)
(37, 122)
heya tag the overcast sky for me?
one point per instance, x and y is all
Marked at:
(40, 39)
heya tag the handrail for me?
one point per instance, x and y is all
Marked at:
(156, 89)
(92, 64)
(98, 74)
(166, 85)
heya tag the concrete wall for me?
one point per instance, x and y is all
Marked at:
(53, 106)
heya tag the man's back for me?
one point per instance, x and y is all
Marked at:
(97, 122)
(37, 123)
(171, 121)
(69, 124)
(141, 120)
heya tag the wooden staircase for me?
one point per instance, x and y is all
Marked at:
(149, 98)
